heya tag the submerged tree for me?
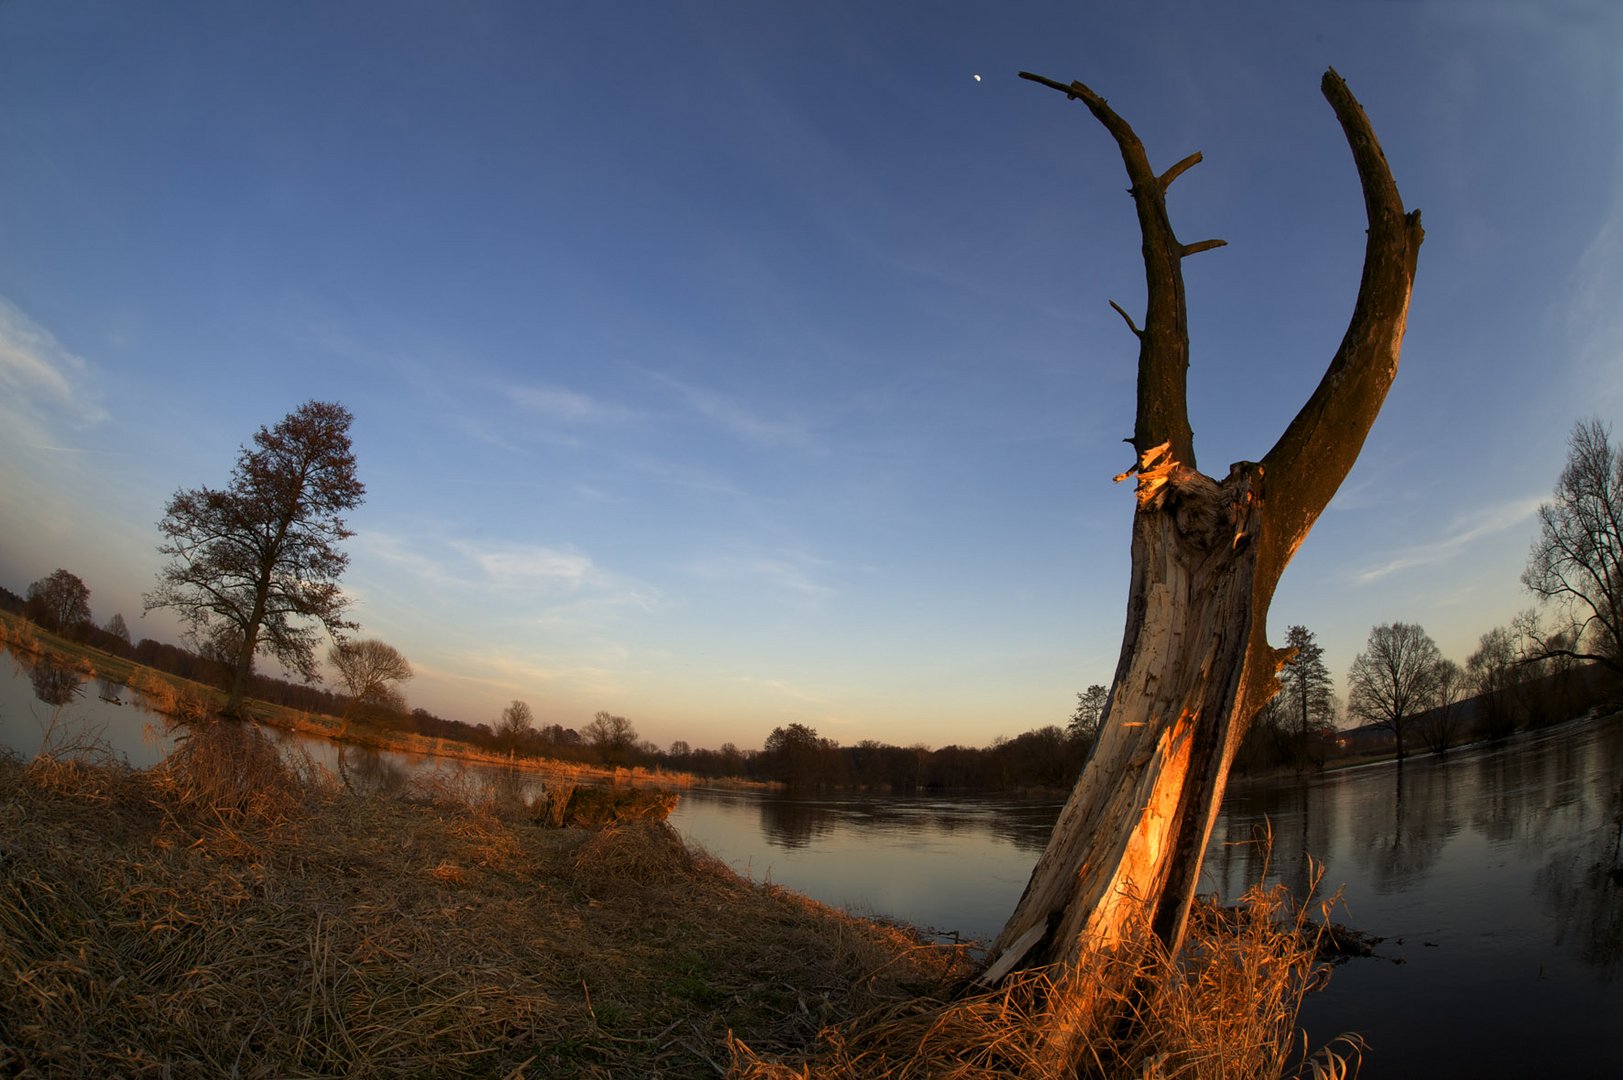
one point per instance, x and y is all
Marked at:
(1207, 553)
(254, 566)
(1394, 679)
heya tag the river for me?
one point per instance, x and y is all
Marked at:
(1494, 876)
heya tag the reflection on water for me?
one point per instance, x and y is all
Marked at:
(1495, 876)
(53, 685)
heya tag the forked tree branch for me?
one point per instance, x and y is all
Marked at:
(1163, 351)
(1314, 455)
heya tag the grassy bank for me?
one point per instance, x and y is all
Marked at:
(153, 924)
(185, 700)
(224, 913)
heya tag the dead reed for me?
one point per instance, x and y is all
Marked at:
(226, 914)
(390, 937)
(1225, 1010)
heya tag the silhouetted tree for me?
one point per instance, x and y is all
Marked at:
(613, 737)
(1394, 679)
(371, 672)
(514, 726)
(255, 566)
(796, 755)
(1494, 671)
(1308, 691)
(1577, 561)
(1442, 724)
(1123, 859)
(118, 628)
(60, 602)
(1090, 709)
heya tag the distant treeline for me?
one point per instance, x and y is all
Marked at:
(1048, 758)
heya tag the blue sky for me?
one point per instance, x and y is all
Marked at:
(725, 365)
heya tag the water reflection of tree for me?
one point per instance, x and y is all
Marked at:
(1580, 886)
(1397, 850)
(792, 823)
(52, 684)
(1532, 794)
(1278, 832)
(369, 772)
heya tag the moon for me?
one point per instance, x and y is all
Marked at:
(977, 78)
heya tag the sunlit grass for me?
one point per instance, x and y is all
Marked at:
(166, 923)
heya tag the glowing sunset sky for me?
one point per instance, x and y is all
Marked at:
(731, 364)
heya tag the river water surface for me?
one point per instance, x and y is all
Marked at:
(1495, 877)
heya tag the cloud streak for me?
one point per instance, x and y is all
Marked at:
(566, 406)
(38, 370)
(792, 574)
(734, 417)
(1462, 533)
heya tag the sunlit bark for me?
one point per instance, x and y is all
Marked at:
(1207, 554)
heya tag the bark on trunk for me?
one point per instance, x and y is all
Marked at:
(1195, 666)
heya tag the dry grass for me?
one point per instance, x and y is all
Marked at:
(1226, 1010)
(223, 775)
(378, 937)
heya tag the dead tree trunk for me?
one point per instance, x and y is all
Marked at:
(1207, 554)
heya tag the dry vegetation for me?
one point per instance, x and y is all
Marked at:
(1226, 1010)
(168, 923)
(238, 911)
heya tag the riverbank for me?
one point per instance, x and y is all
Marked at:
(313, 932)
(187, 701)
(223, 914)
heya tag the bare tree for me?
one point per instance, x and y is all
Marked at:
(371, 672)
(613, 736)
(1549, 666)
(118, 628)
(1394, 679)
(1442, 724)
(1495, 673)
(59, 601)
(1123, 858)
(1577, 561)
(254, 567)
(514, 725)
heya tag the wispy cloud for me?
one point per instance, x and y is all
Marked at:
(1593, 318)
(792, 573)
(567, 406)
(1461, 533)
(38, 374)
(734, 416)
(529, 567)
(528, 583)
